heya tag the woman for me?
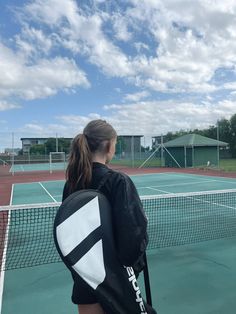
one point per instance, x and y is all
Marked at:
(90, 152)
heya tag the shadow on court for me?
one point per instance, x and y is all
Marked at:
(189, 279)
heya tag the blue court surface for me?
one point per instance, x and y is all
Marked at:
(195, 276)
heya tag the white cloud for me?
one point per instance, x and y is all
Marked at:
(165, 46)
(136, 96)
(152, 118)
(38, 80)
(81, 33)
(52, 12)
(188, 42)
(111, 107)
(32, 41)
(121, 28)
(4, 105)
(148, 118)
(192, 41)
(230, 86)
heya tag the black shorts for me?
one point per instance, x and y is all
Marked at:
(82, 293)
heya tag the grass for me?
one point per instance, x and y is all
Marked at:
(228, 165)
(225, 164)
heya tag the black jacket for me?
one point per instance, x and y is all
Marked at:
(129, 220)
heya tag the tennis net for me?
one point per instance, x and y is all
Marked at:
(26, 237)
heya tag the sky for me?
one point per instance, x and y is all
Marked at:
(148, 67)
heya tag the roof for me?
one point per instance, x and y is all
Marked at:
(130, 135)
(44, 138)
(194, 140)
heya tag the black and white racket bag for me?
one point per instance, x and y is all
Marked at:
(84, 239)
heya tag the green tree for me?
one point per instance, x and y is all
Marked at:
(232, 142)
(64, 145)
(38, 149)
(120, 145)
(224, 130)
(61, 143)
(50, 145)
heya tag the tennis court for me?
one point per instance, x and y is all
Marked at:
(46, 166)
(192, 264)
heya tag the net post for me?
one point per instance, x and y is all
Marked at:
(12, 156)
(162, 151)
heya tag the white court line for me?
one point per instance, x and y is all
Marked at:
(12, 191)
(186, 183)
(147, 174)
(184, 175)
(41, 182)
(218, 179)
(47, 192)
(4, 254)
(158, 190)
(176, 184)
(222, 181)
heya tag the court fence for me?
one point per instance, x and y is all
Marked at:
(18, 150)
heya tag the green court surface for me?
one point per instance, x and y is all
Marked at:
(38, 167)
(196, 278)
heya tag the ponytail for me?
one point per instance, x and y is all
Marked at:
(79, 170)
(93, 140)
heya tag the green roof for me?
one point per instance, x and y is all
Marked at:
(194, 140)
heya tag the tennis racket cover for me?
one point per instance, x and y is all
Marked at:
(84, 239)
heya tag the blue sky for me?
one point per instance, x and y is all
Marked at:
(148, 67)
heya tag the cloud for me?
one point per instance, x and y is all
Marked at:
(148, 118)
(81, 33)
(32, 42)
(152, 118)
(136, 96)
(38, 80)
(4, 105)
(121, 28)
(178, 47)
(171, 48)
(111, 107)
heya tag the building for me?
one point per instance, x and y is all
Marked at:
(129, 146)
(192, 150)
(11, 151)
(28, 142)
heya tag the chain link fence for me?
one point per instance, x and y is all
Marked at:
(19, 149)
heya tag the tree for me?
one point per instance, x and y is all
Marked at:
(224, 130)
(50, 145)
(120, 145)
(232, 142)
(63, 144)
(38, 149)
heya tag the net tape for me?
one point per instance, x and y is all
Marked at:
(26, 237)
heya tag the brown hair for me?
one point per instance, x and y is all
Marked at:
(93, 140)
